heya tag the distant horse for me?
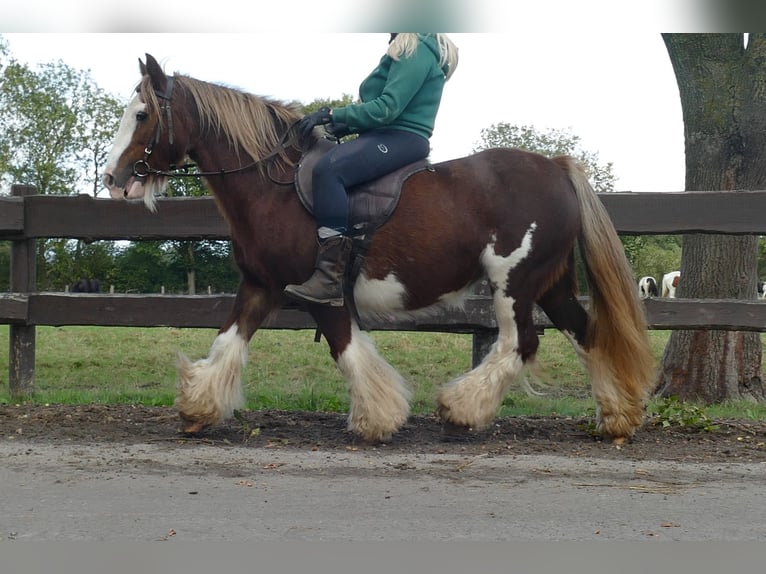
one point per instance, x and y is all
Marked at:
(670, 283)
(86, 286)
(507, 215)
(761, 290)
(647, 287)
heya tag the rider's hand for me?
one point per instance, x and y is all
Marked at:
(319, 118)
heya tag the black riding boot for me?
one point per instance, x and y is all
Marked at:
(325, 286)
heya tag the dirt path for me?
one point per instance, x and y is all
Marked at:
(120, 473)
(734, 441)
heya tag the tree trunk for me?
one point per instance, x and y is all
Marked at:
(723, 98)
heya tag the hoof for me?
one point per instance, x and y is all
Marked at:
(192, 427)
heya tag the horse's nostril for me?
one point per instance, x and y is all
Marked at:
(107, 180)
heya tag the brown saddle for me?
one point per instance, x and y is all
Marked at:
(370, 204)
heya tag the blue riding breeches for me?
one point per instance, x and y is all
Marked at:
(372, 155)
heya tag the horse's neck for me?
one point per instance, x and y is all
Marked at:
(256, 189)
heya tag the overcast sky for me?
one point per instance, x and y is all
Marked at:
(611, 85)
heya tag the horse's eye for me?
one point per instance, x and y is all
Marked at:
(141, 116)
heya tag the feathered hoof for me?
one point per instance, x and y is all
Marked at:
(192, 424)
(618, 428)
(368, 435)
(457, 416)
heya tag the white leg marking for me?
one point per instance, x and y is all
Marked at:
(473, 399)
(379, 396)
(210, 389)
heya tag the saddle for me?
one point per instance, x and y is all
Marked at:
(370, 204)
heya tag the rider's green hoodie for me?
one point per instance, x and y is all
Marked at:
(402, 94)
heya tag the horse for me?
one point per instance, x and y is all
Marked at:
(507, 215)
(86, 286)
(670, 282)
(761, 287)
(647, 287)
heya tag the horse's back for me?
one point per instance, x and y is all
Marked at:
(493, 201)
(502, 181)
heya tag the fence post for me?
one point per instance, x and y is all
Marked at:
(21, 375)
(483, 339)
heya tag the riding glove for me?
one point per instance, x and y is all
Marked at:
(310, 121)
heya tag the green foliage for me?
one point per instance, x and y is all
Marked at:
(762, 258)
(318, 103)
(56, 126)
(143, 268)
(670, 411)
(5, 265)
(61, 262)
(653, 255)
(550, 142)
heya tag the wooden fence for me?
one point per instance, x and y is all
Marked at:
(25, 217)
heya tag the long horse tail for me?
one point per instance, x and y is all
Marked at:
(620, 359)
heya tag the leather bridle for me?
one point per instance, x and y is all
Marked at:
(142, 169)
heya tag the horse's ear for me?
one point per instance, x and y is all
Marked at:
(142, 67)
(154, 71)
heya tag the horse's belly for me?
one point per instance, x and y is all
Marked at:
(390, 296)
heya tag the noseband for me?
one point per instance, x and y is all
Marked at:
(142, 169)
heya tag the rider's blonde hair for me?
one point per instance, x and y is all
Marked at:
(406, 44)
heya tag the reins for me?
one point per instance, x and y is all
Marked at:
(142, 169)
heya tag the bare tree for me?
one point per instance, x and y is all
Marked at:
(721, 81)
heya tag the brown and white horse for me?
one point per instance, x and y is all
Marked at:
(508, 215)
(670, 283)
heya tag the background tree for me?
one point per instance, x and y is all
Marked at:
(56, 127)
(550, 142)
(721, 84)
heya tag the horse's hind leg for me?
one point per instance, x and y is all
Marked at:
(618, 413)
(473, 399)
(379, 397)
(210, 389)
(567, 315)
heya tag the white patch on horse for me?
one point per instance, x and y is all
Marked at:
(379, 295)
(379, 396)
(498, 267)
(669, 283)
(647, 287)
(124, 135)
(473, 399)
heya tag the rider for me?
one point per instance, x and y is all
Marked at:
(395, 119)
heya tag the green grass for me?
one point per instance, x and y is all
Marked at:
(286, 370)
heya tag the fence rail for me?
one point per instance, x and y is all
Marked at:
(25, 217)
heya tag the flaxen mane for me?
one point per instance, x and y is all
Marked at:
(250, 123)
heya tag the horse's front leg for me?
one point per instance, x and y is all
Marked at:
(210, 389)
(379, 397)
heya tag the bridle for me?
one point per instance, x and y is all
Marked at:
(142, 169)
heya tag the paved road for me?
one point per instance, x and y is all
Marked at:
(200, 493)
